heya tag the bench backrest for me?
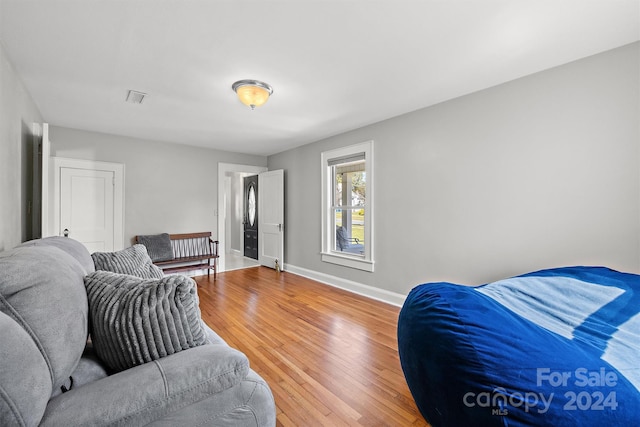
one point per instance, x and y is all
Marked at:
(192, 244)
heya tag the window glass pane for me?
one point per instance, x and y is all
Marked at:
(251, 203)
(349, 194)
(350, 182)
(349, 231)
(338, 217)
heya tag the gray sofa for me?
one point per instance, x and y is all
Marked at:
(50, 373)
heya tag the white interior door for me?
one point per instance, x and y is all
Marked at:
(271, 218)
(86, 207)
(89, 203)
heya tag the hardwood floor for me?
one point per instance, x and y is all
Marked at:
(329, 356)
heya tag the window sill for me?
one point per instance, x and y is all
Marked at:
(348, 261)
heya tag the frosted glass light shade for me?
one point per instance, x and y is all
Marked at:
(252, 93)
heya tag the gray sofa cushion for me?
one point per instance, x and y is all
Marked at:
(133, 261)
(158, 246)
(42, 289)
(135, 320)
(90, 368)
(25, 383)
(74, 248)
(158, 390)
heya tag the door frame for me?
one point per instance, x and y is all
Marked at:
(42, 167)
(118, 193)
(223, 169)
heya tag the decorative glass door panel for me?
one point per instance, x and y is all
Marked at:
(251, 216)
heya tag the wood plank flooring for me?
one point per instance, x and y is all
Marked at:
(329, 356)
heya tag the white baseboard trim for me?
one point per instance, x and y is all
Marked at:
(383, 295)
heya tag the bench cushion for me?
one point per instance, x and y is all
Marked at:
(158, 246)
(135, 320)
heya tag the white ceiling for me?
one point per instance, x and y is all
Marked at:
(335, 65)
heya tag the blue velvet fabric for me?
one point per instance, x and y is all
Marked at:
(558, 347)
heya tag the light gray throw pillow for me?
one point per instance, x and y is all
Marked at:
(135, 320)
(158, 246)
(133, 261)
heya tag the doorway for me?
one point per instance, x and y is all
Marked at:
(269, 214)
(230, 214)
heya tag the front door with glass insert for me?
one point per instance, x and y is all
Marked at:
(251, 216)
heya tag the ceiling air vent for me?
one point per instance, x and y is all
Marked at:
(135, 97)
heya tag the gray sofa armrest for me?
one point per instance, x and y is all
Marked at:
(148, 392)
(248, 404)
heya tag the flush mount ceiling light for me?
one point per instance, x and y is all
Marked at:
(252, 93)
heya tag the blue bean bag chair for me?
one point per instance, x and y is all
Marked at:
(557, 347)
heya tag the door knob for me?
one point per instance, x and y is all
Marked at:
(65, 233)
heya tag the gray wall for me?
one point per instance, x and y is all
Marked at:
(170, 188)
(18, 112)
(539, 172)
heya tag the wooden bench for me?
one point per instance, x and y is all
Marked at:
(191, 251)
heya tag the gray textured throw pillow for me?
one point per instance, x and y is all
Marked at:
(158, 246)
(135, 320)
(133, 261)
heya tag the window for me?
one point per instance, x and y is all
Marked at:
(347, 206)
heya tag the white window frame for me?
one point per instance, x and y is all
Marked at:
(328, 254)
